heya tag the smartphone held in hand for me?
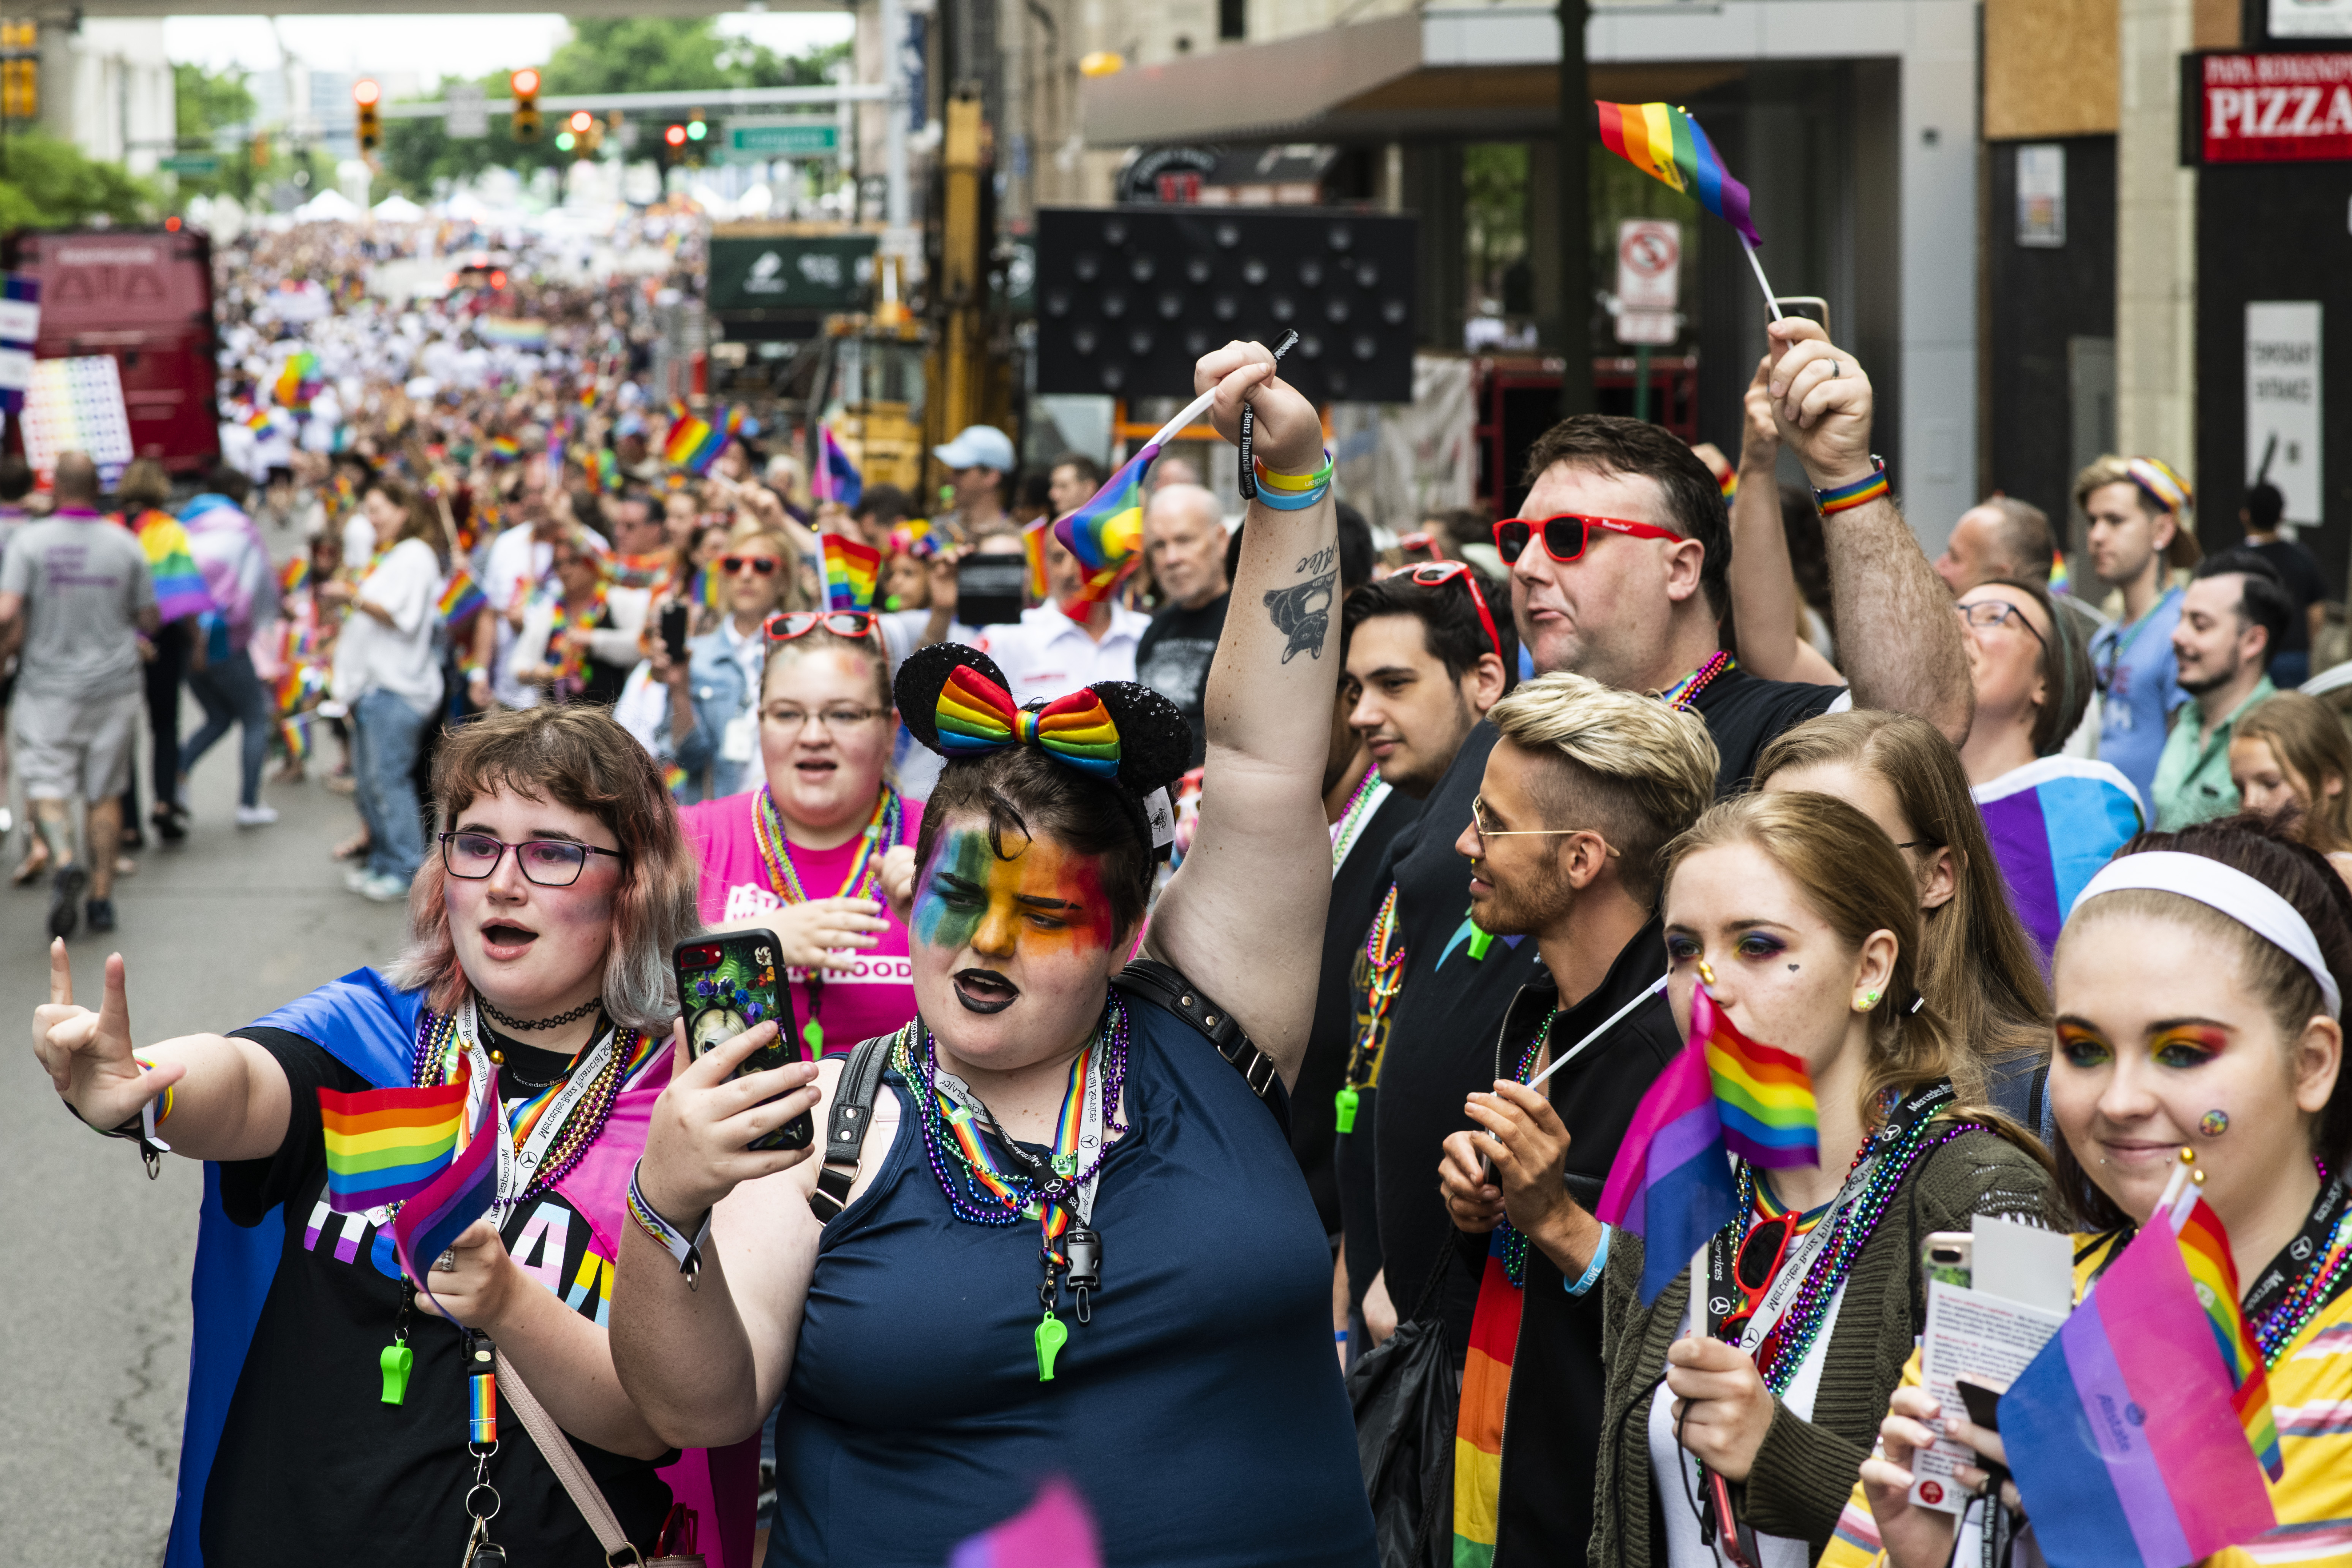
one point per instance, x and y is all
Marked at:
(729, 982)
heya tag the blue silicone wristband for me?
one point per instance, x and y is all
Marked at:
(1592, 1269)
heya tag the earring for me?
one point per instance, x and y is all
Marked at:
(1869, 1000)
(2213, 1123)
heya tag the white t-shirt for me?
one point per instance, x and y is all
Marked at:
(373, 657)
(515, 558)
(1047, 654)
(1677, 1472)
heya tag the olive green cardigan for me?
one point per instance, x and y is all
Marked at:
(1805, 1470)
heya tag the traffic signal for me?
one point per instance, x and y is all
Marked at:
(20, 70)
(673, 147)
(524, 127)
(261, 151)
(367, 95)
(696, 128)
(579, 137)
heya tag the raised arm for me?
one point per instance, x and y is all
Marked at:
(1244, 915)
(1764, 600)
(1896, 634)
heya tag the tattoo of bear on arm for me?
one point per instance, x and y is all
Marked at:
(1303, 614)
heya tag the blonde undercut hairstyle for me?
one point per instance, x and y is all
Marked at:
(1625, 763)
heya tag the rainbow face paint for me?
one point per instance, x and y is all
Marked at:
(1042, 903)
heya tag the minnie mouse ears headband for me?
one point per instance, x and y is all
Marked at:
(953, 699)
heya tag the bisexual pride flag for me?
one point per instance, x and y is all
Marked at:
(1665, 143)
(1106, 533)
(837, 477)
(1671, 1181)
(851, 569)
(2126, 1433)
(1054, 1531)
(384, 1145)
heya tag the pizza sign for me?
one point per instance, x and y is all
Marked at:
(2277, 108)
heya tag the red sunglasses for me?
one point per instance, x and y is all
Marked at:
(1437, 572)
(1761, 1252)
(791, 623)
(1567, 536)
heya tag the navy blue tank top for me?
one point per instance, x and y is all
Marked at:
(1200, 1413)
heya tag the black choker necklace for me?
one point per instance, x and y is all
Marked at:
(531, 1025)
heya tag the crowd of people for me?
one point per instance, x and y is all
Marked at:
(2040, 890)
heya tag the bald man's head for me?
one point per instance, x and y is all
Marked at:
(1998, 537)
(1184, 539)
(77, 480)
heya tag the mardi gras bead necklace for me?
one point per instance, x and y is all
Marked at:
(437, 1060)
(1353, 816)
(2317, 1285)
(1685, 692)
(881, 834)
(1385, 956)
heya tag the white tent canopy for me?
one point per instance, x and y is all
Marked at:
(398, 209)
(328, 206)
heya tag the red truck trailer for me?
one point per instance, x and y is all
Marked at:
(145, 297)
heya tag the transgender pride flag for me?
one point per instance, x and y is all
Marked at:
(2053, 823)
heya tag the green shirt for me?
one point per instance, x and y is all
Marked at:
(2192, 777)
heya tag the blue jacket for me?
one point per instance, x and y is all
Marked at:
(714, 682)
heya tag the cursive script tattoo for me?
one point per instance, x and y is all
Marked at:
(1303, 614)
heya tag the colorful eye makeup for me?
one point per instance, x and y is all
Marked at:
(2178, 1046)
(1042, 899)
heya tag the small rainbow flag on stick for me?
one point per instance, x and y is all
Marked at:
(851, 569)
(1672, 1183)
(1106, 533)
(459, 1194)
(460, 597)
(386, 1145)
(1665, 143)
(2132, 1439)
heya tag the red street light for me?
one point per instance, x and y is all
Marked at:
(525, 82)
(675, 135)
(582, 121)
(366, 92)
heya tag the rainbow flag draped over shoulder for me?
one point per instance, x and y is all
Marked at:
(1665, 143)
(387, 1144)
(2125, 1433)
(851, 569)
(1106, 533)
(1671, 1181)
(179, 583)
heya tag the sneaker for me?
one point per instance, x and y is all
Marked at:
(355, 881)
(382, 887)
(65, 895)
(256, 815)
(99, 913)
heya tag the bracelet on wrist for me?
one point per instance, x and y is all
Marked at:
(688, 1254)
(138, 1128)
(1860, 492)
(1292, 492)
(1592, 1270)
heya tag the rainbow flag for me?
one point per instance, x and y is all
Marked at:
(2205, 1253)
(1106, 533)
(851, 569)
(257, 420)
(2124, 1433)
(692, 444)
(179, 583)
(295, 737)
(1665, 143)
(608, 472)
(460, 597)
(293, 575)
(1478, 1419)
(387, 1144)
(1032, 549)
(504, 448)
(1671, 1181)
(2061, 582)
(297, 372)
(459, 1194)
(1054, 1531)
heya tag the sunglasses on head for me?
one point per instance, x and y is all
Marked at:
(1439, 572)
(791, 623)
(1567, 536)
(766, 566)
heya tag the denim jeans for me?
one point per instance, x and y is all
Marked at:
(385, 734)
(230, 690)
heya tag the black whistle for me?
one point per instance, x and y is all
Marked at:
(1084, 1248)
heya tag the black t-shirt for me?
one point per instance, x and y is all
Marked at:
(1745, 712)
(313, 1467)
(1172, 658)
(1356, 894)
(2304, 586)
(1557, 1435)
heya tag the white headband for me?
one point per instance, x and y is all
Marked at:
(2251, 904)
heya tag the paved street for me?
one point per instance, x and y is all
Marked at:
(94, 1261)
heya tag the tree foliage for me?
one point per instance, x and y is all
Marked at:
(45, 183)
(604, 55)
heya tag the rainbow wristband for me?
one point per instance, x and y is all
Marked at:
(688, 1254)
(1862, 492)
(1292, 492)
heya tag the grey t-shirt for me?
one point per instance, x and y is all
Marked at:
(85, 582)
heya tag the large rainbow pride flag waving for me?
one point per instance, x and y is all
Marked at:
(1665, 143)
(1671, 1181)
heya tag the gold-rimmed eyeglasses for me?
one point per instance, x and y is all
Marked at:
(1480, 817)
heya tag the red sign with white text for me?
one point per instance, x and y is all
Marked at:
(2277, 108)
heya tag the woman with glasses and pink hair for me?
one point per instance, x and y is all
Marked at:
(803, 853)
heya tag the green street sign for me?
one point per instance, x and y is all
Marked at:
(796, 139)
(195, 163)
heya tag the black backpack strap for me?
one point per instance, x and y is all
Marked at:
(845, 1125)
(1156, 982)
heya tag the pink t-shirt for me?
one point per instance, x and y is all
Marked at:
(876, 994)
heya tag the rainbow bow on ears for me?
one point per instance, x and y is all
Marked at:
(976, 716)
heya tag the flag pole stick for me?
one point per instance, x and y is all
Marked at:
(1770, 303)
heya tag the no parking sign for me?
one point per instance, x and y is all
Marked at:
(1649, 280)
